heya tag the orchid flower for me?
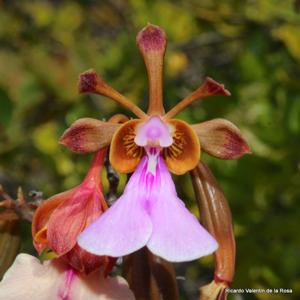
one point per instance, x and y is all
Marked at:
(59, 220)
(149, 213)
(28, 279)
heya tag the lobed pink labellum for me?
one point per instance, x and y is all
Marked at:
(147, 214)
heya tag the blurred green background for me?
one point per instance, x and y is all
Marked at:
(253, 47)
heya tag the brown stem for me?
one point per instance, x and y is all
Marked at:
(10, 242)
(165, 276)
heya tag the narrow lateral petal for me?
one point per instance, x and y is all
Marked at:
(222, 139)
(28, 279)
(124, 154)
(152, 42)
(91, 82)
(124, 228)
(177, 234)
(88, 135)
(184, 153)
(209, 88)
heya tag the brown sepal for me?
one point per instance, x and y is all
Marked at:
(88, 135)
(222, 139)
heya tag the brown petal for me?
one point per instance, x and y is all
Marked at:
(216, 217)
(222, 139)
(152, 42)
(183, 155)
(42, 216)
(124, 154)
(88, 135)
(91, 82)
(209, 88)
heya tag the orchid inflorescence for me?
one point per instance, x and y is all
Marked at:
(86, 234)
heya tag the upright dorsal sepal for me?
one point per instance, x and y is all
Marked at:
(152, 43)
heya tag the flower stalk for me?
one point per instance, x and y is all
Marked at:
(216, 217)
(150, 277)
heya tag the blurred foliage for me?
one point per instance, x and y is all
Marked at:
(252, 46)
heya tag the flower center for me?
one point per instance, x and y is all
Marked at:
(153, 135)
